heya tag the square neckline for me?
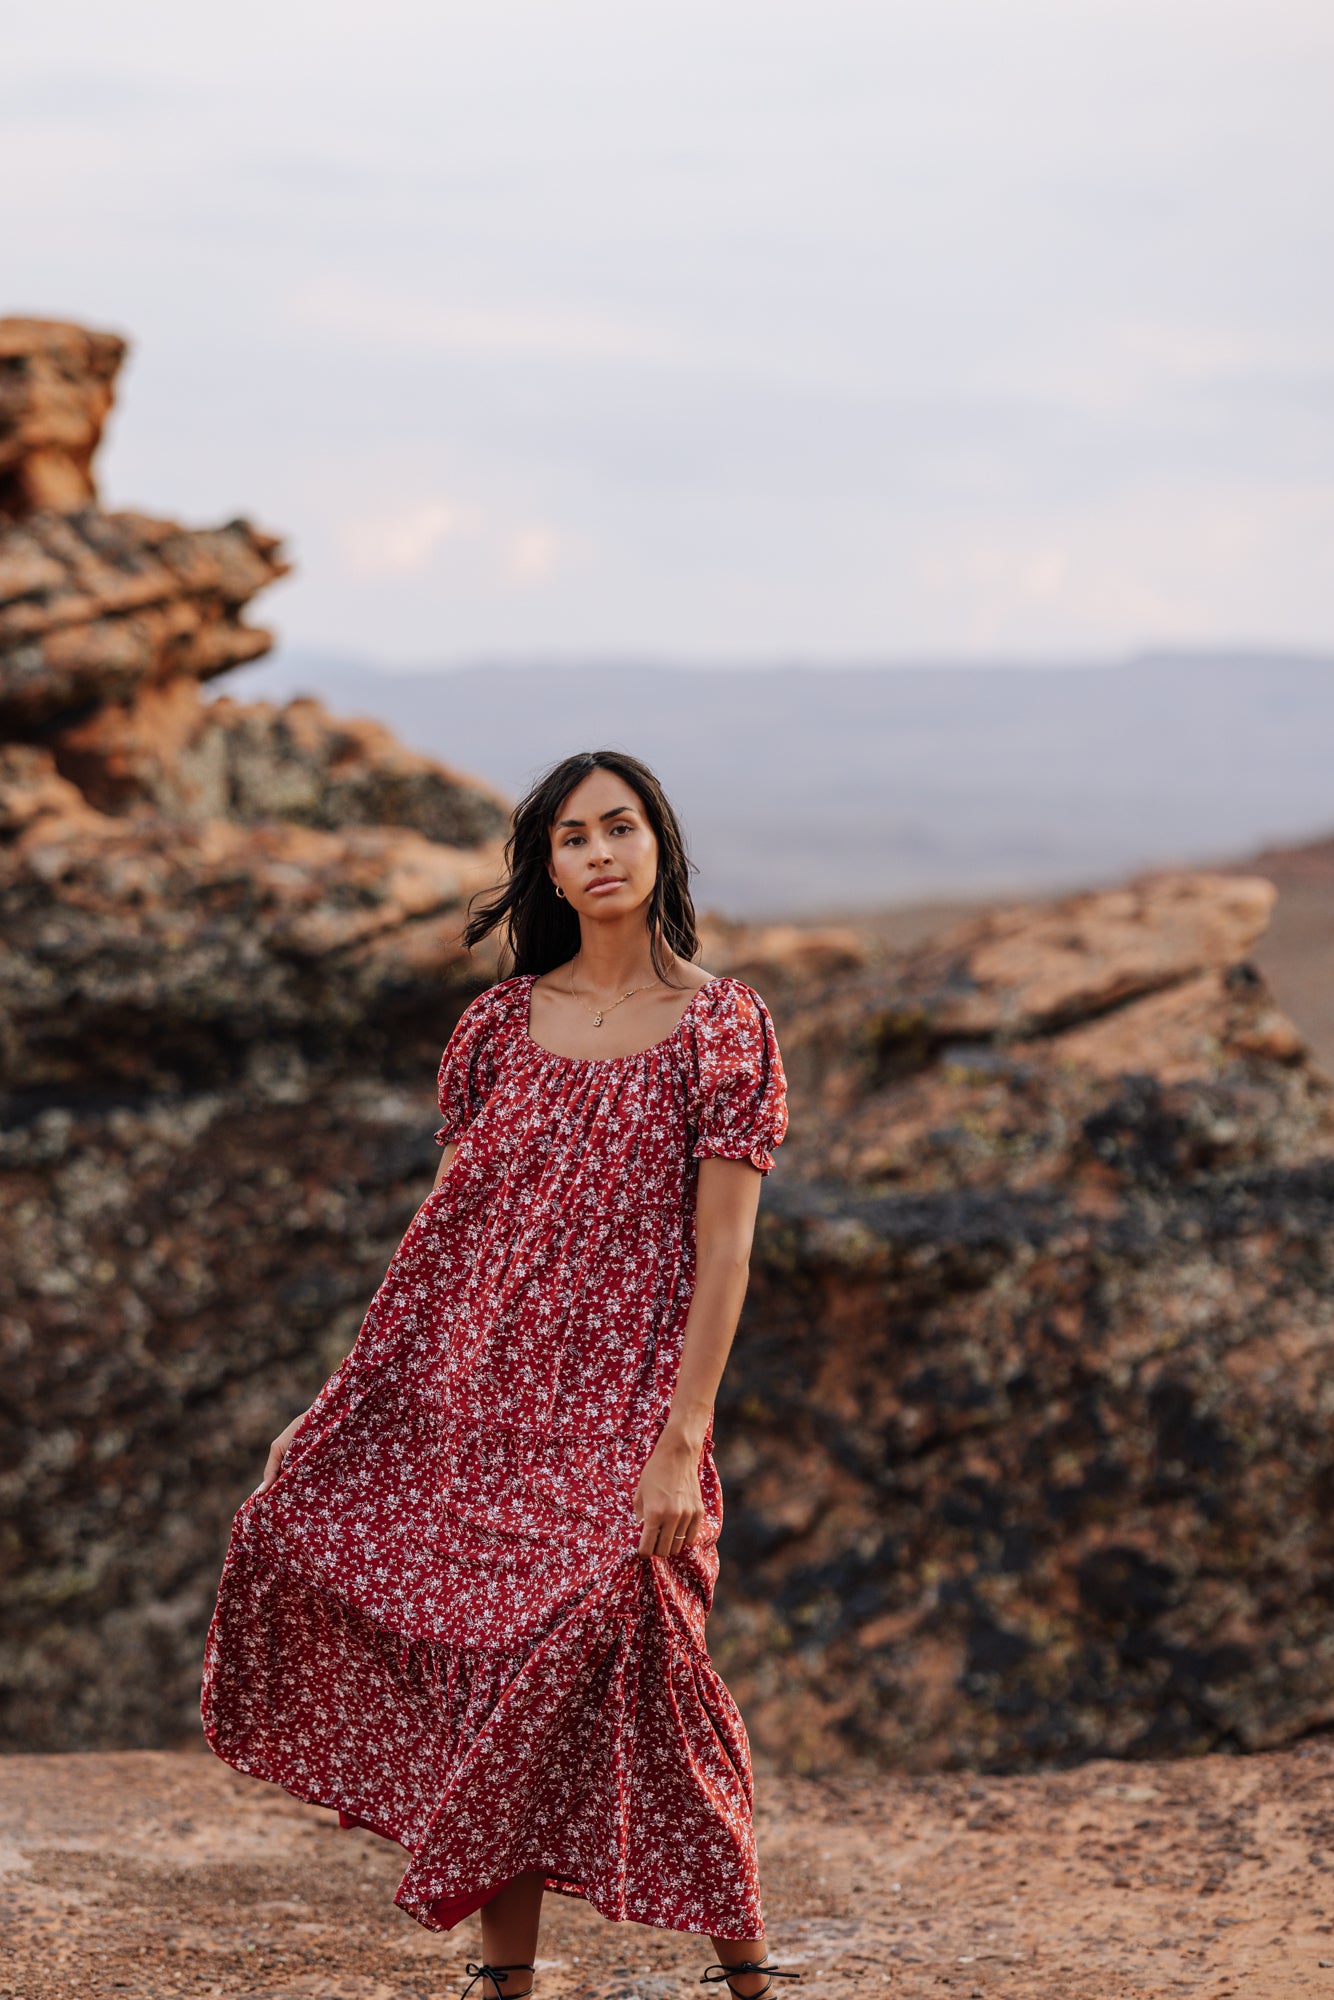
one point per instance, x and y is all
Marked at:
(605, 1062)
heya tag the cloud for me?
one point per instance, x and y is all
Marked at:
(386, 546)
(1188, 564)
(395, 323)
(401, 543)
(532, 555)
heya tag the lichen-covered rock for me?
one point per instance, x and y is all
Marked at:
(254, 762)
(165, 948)
(1027, 1443)
(182, 1269)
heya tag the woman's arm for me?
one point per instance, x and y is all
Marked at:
(668, 1499)
(278, 1449)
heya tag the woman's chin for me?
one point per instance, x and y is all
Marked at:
(615, 905)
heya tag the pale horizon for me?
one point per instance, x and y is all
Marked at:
(642, 659)
(992, 782)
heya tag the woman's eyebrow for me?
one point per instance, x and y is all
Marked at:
(615, 813)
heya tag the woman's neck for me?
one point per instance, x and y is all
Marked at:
(611, 959)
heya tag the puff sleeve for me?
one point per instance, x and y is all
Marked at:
(738, 1107)
(466, 1077)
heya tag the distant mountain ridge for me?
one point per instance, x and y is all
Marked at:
(811, 790)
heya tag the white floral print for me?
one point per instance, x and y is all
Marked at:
(436, 1619)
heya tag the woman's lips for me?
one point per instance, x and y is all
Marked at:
(600, 888)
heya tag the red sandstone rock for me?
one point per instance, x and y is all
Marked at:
(55, 390)
(179, 870)
(94, 606)
(1032, 968)
(795, 958)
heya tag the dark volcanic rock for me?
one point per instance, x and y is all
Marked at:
(1026, 1446)
(180, 1272)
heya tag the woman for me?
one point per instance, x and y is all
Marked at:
(466, 1604)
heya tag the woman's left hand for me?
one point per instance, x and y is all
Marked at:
(668, 1499)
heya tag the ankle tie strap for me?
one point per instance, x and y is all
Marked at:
(714, 1973)
(498, 1973)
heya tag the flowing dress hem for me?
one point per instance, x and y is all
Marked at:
(446, 1913)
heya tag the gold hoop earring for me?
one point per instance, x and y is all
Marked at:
(559, 890)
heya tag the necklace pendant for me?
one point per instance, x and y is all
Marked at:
(597, 1020)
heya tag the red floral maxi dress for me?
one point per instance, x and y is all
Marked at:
(436, 1619)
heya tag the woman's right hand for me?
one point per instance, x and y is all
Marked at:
(278, 1452)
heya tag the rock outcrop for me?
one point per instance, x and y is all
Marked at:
(1026, 1440)
(1027, 1445)
(95, 607)
(56, 385)
(254, 762)
(228, 960)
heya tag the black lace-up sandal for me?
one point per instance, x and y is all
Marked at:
(497, 1974)
(715, 1973)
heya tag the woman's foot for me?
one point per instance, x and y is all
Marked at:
(748, 1977)
(499, 1982)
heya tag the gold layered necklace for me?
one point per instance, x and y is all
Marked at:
(611, 1005)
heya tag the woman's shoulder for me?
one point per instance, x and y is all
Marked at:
(728, 1010)
(493, 1006)
(724, 997)
(502, 993)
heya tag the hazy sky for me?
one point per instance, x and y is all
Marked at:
(738, 329)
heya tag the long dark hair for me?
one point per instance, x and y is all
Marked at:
(541, 931)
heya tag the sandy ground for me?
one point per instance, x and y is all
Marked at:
(164, 1873)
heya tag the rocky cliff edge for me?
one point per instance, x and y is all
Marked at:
(1025, 1440)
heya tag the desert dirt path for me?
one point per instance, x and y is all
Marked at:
(155, 1874)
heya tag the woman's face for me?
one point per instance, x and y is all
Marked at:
(604, 853)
